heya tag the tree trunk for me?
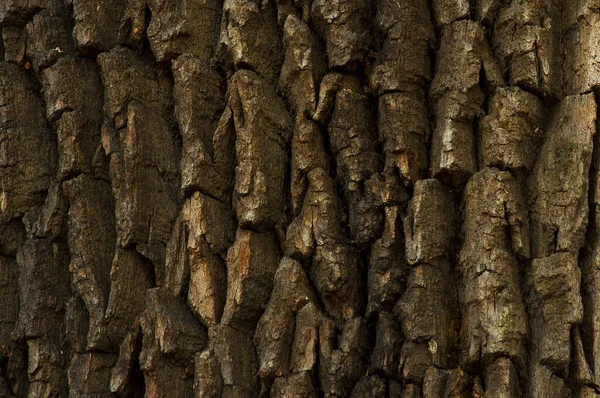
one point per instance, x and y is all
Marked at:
(299, 198)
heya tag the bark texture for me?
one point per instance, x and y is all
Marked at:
(299, 198)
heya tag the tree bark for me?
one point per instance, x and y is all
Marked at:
(299, 198)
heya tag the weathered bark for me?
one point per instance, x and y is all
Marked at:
(299, 198)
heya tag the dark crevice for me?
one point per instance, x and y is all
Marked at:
(587, 255)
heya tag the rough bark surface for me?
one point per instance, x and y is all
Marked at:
(299, 198)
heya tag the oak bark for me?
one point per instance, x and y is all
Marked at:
(299, 198)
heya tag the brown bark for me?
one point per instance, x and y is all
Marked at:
(299, 198)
